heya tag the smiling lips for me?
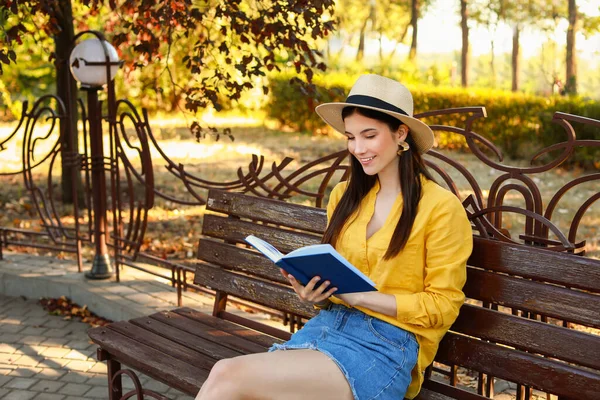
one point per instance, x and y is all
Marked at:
(366, 160)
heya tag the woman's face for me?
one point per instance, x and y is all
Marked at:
(373, 144)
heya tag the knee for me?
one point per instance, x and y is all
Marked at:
(224, 381)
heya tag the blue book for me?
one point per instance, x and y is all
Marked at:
(317, 260)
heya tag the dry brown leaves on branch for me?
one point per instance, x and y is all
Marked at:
(72, 311)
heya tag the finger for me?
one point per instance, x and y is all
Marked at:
(284, 273)
(310, 286)
(321, 289)
(298, 288)
(328, 293)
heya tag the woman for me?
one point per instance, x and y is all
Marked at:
(409, 235)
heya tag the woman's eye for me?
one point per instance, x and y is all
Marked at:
(349, 138)
(371, 136)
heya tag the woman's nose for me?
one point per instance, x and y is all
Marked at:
(359, 146)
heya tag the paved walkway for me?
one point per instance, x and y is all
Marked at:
(45, 357)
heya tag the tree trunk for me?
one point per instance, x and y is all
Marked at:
(515, 58)
(66, 90)
(465, 43)
(493, 64)
(571, 81)
(414, 20)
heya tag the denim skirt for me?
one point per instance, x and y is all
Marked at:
(375, 357)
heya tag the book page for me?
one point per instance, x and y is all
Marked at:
(265, 247)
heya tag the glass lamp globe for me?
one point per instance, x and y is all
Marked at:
(92, 51)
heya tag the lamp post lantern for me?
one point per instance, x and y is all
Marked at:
(94, 63)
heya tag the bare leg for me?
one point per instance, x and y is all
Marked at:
(291, 374)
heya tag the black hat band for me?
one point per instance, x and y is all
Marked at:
(362, 100)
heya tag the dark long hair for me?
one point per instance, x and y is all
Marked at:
(411, 167)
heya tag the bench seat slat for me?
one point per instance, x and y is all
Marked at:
(307, 218)
(553, 301)
(163, 367)
(190, 352)
(536, 263)
(235, 230)
(234, 329)
(261, 292)
(239, 259)
(529, 335)
(516, 366)
(433, 390)
(217, 338)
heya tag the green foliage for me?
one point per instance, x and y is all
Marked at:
(519, 124)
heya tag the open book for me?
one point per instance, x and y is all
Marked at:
(317, 260)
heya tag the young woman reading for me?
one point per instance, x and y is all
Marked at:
(394, 223)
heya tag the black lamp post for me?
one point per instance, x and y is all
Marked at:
(94, 63)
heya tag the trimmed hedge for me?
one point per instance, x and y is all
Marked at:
(520, 124)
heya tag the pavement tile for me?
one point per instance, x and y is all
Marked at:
(31, 349)
(76, 355)
(6, 358)
(57, 333)
(25, 372)
(50, 373)
(33, 331)
(53, 362)
(3, 392)
(20, 395)
(98, 368)
(9, 338)
(97, 380)
(80, 366)
(32, 340)
(20, 383)
(58, 352)
(75, 377)
(97, 393)
(4, 379)
(36, 321)
(9, 348)
(49, 396)
(47, 386)
(74, 389)
(28, 361)
(11, 328)
(55, 342)
(80, 345)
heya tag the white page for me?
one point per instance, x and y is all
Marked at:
(265, 247)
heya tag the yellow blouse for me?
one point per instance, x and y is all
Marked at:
(426, 277)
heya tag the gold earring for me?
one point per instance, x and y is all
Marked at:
(402, 147)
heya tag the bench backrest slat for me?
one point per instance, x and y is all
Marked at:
(523, 294)
(235, 230)
(517, 366)
(306, 218)
(239, 259)
(261, 292)
(529, 335)
(535, 263)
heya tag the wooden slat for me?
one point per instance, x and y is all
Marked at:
(433, 390)
(190, 351)
(535, 263)
(553, 301)
(162, 367)
(261, 292)
(248, 334)
(516, 366)
(218, 338)
(307, 218)
(235, 230)
(238, 259)
(534, 336)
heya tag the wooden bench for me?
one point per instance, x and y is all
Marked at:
(518, 325)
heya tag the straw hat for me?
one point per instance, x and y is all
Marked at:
(382, 94)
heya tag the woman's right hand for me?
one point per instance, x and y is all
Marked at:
(310, 294)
